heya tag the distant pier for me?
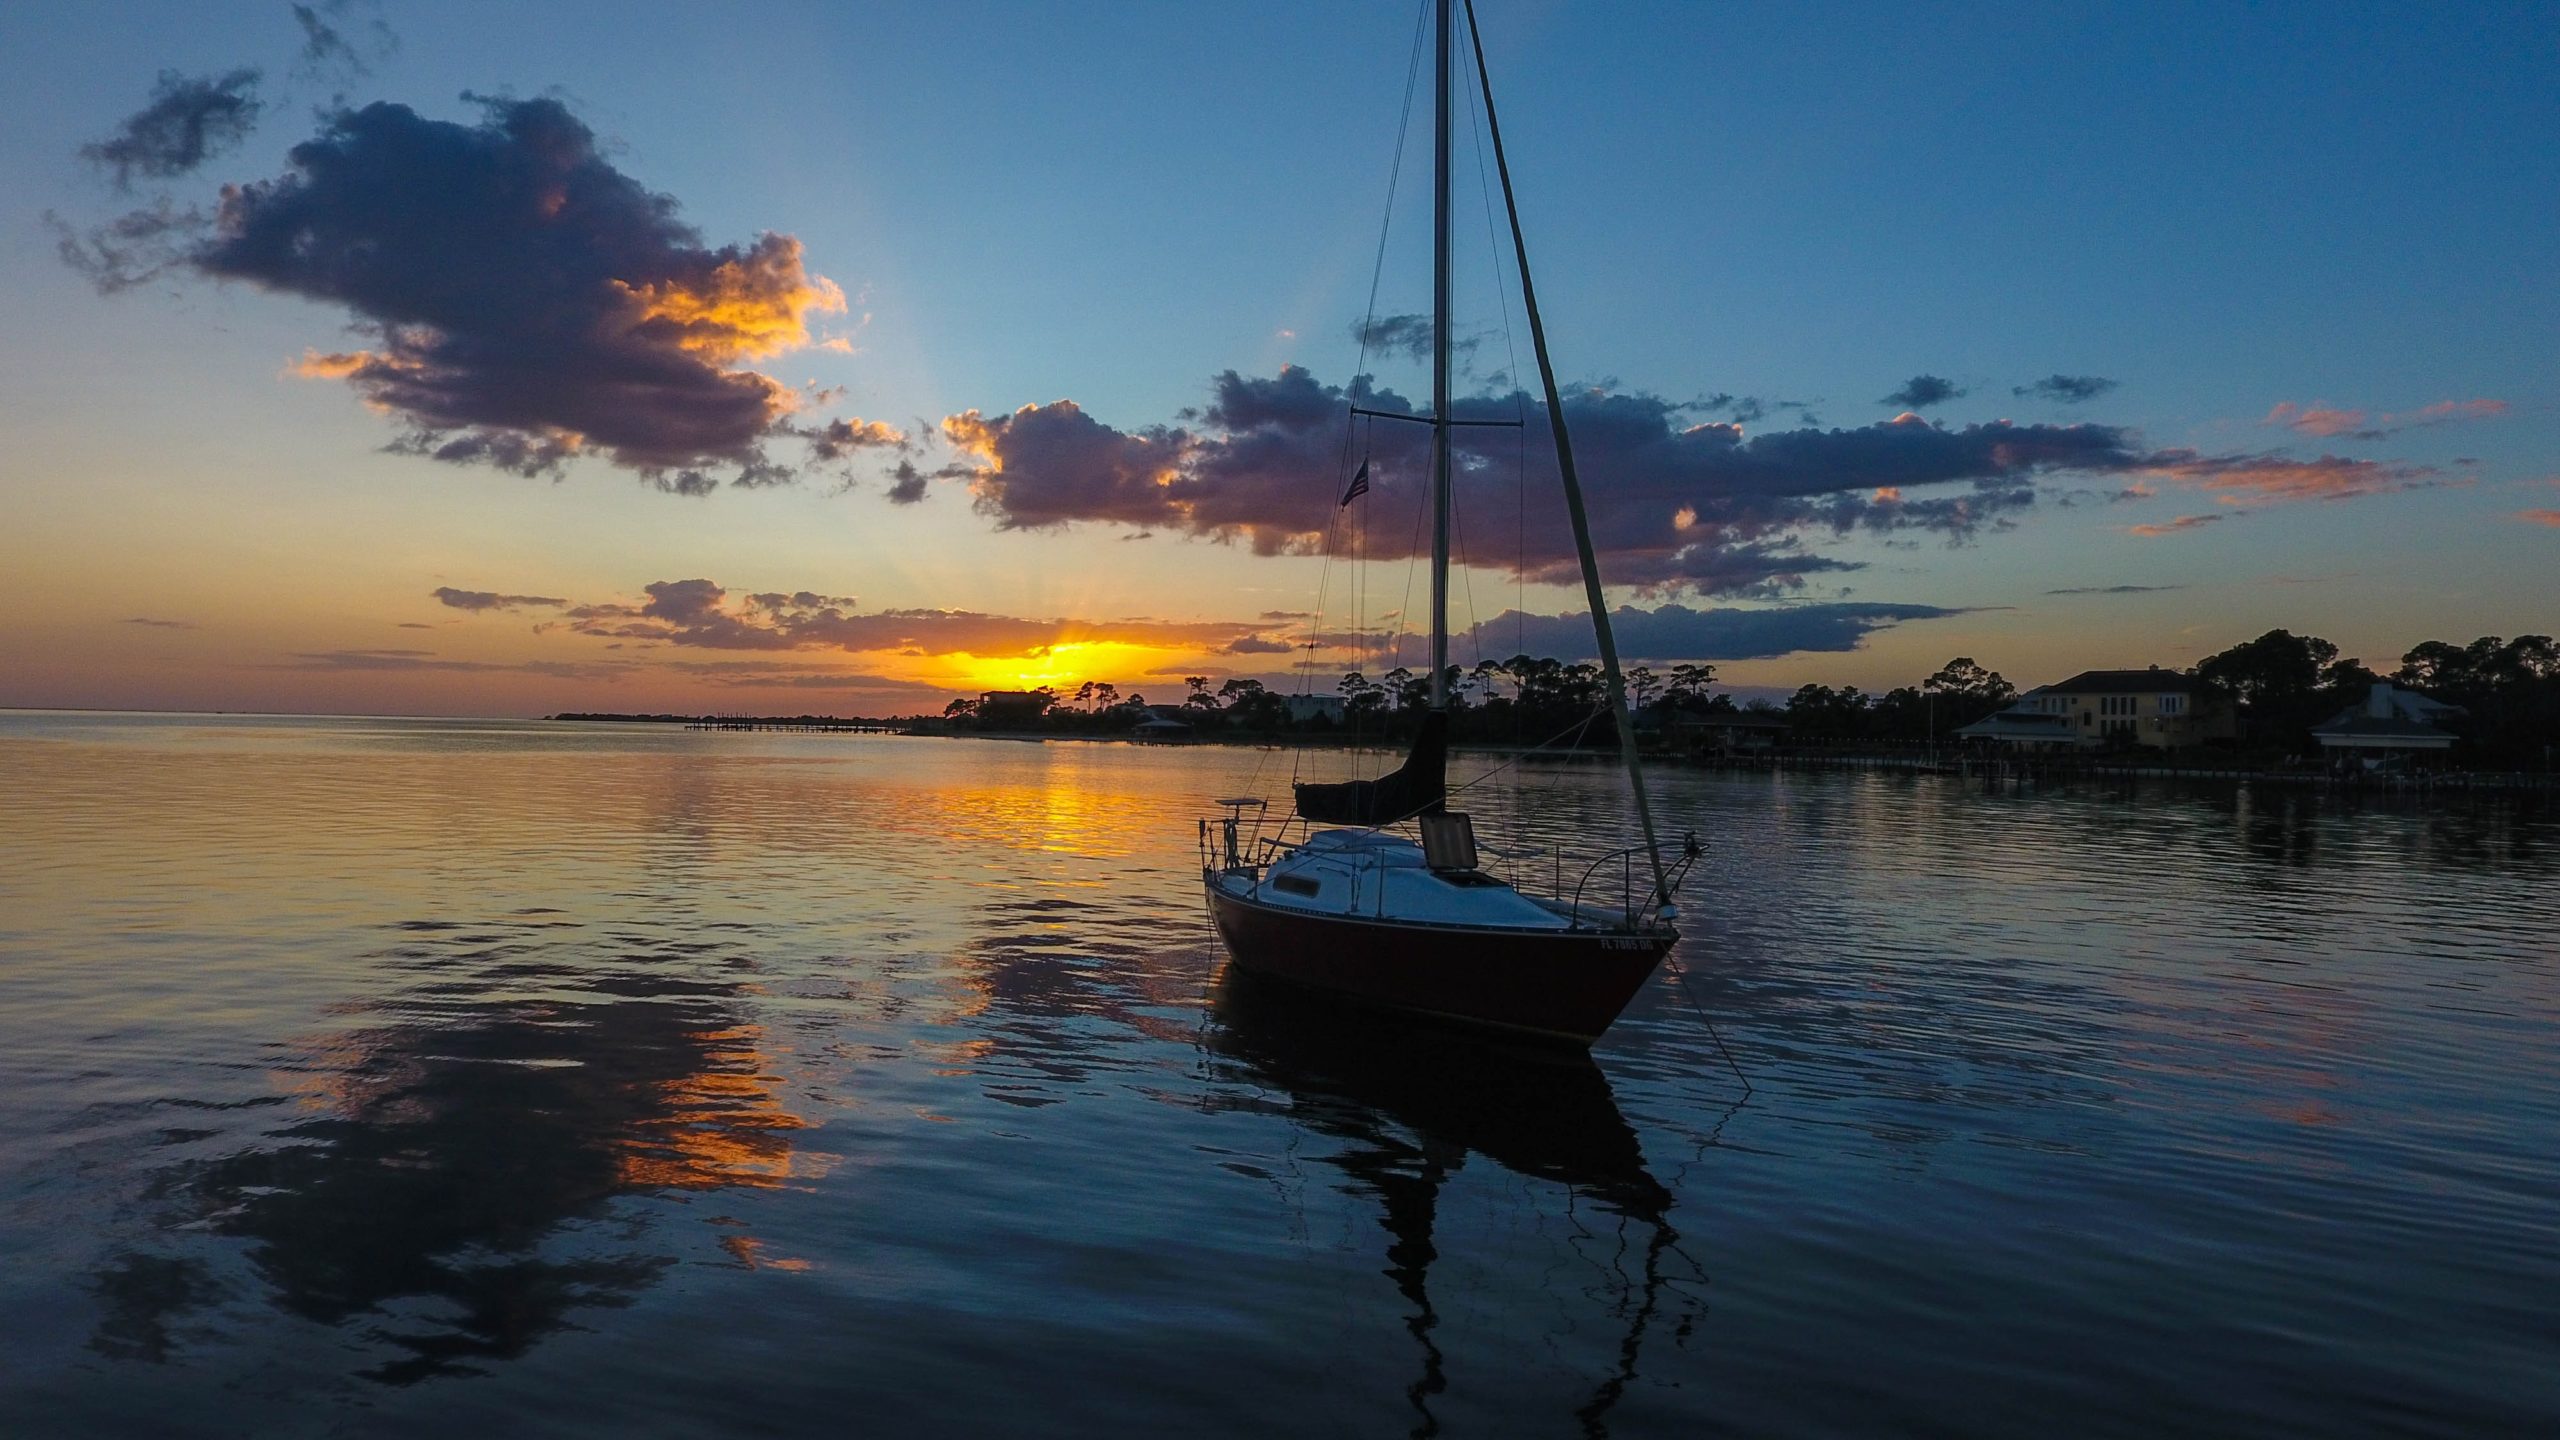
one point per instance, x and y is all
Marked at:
(794, 727)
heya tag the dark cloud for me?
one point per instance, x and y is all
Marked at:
(1259, 645)
(325, 49)
(526, 301)
(2065, 389)
(838, 439)
(1407, 335)
(512, 450)
(906, 484)
(691, 483)
(157, 624)
(1749, 409)
(1922, 391)
(2115, 589)
(476, 600)
(1674, 505)
(1676, 632)
(132, 249)
(189, 121)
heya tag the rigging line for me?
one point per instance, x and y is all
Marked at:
(1404, 603)
(1577, 728)
(1519, 393)
(1574, 510)
(1466, 581)
(1377, 270)
(1687, 995)
(1404, 122)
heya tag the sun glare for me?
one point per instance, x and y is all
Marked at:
(1063, 667)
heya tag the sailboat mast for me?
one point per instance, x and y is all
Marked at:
(1440, 372)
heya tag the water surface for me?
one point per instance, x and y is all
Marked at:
(387, 1077)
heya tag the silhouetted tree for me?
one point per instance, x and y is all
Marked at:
(1965, 692)
(2276, 680)
(1642, 686)
(2511, 689)
(1687, 690)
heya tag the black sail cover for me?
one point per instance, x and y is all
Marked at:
(1420, 786)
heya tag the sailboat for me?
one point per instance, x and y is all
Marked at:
(1414, 923)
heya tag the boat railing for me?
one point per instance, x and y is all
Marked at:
(1675, 859)
(1238, 844)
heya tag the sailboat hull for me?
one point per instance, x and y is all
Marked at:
(1565, 986)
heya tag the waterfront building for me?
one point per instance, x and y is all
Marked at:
(2024, 725)
(2391, 726)
(998, 709)
(1303, 708)
(1731, 733)
(2164, 709)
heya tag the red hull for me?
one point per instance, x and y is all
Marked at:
(1561, 984)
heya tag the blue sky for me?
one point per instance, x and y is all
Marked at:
(2220, 209)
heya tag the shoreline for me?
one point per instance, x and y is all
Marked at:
(2009, 769)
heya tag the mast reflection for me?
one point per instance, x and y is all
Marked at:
(1411, 1106)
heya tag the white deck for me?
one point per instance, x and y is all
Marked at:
(1381, 876)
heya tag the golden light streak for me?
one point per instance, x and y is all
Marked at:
(746, 309)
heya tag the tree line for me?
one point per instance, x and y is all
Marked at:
(2278, 685)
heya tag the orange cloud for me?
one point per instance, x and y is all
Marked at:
(2453, 410)
(2274, 477)
(331, 365)
(2321, 420)
(2540, 517)
(750, 307)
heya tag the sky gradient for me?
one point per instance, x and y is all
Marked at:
(819, 359)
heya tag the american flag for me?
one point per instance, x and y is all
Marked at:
(1359, 485)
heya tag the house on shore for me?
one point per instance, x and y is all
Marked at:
(2160, 708)
(2023, 728)
(1013, 709)
(1735, 732)
(1303, 708)
(1162, 725)
(2391, 727)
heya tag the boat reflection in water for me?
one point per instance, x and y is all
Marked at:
(1412, 1106)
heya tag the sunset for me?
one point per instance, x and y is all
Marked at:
(2003, 340)
(1452, 716)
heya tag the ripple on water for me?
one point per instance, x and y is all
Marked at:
(474, 1072)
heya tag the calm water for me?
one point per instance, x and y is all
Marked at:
(392, 1077)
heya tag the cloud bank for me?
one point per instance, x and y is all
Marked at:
(1676, 632)
(1675, 506)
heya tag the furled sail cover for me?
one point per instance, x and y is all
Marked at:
(1418, 787)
